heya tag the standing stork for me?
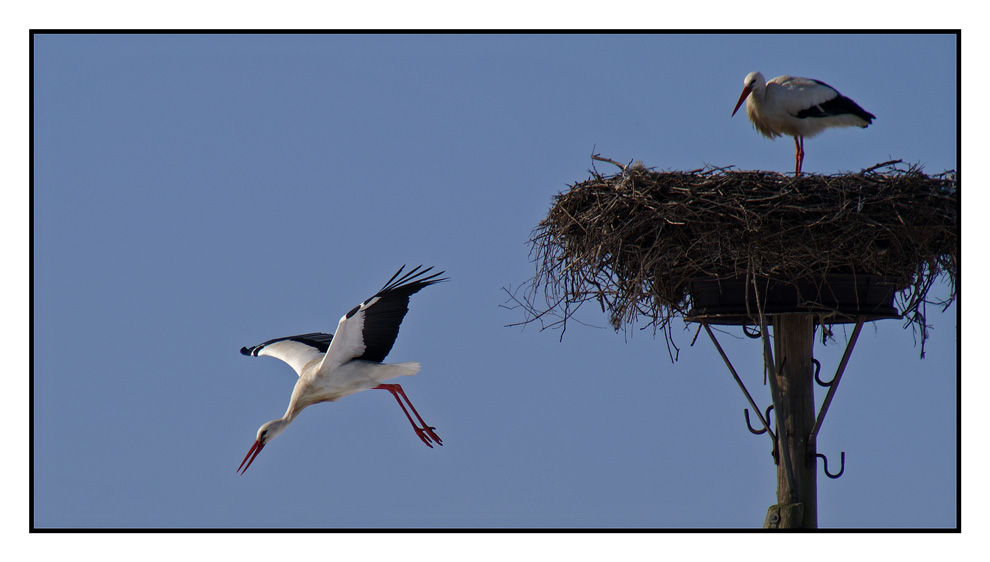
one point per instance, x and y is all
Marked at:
(799, 107)
(333, 366)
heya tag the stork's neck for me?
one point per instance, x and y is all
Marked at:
(290, 414)
(298, 400)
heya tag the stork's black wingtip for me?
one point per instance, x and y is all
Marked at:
(245, 351)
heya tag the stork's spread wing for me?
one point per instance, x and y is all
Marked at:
(368, 331)
(297, 351)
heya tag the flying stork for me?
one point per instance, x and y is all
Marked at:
(331, 366)
(799, 107)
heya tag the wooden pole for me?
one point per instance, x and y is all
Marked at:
(794, 413)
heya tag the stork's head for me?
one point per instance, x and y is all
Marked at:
(266, 433)
(754, 82)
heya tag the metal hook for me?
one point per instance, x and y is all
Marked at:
(751, 335)
(818, 370)
(842, 465)
(750, 426)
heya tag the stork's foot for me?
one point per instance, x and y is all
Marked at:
(434, 436)
(428, 436)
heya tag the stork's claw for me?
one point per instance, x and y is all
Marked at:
(423, 437)
(436, 438)
(426, 434)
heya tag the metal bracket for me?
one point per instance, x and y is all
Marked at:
(749, 397)
(833, 385)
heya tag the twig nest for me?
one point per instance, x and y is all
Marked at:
(633, 241)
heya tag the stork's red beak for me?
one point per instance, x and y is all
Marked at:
(253, 454)
(742, 98)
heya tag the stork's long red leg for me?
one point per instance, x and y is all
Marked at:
(426, 432)
(416, 428)
(798, 155)
(428, 429)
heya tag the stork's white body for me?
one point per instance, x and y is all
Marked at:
(350, 378)
(797, 107)
(332, 366)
